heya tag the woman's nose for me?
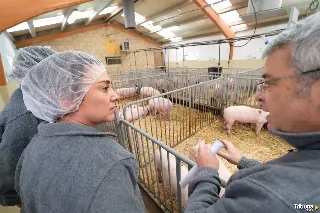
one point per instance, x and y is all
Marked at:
(114, 96)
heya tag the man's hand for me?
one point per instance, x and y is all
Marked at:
(205, 158)
(232, 155)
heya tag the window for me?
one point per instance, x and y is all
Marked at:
(113, 60)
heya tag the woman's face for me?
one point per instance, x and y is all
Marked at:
(99, 104)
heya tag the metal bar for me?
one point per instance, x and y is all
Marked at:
(178, 175)
(170, 182)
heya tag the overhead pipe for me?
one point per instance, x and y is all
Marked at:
(129, 17)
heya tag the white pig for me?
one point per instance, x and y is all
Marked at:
(224, 173)
(126, 92)
(148, 92)
(160, 104)
(173, 177)
(134, 113)
(244, 114)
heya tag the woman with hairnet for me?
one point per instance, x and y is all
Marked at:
(17, 124)
(70, 166)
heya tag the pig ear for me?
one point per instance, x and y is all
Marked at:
(260, 111)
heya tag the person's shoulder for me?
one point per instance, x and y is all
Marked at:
(110, 149)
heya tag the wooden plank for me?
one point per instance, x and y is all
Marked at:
(3, 80)
(40, 39)
(216, 19)
(14, 12)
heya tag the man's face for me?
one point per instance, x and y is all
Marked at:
(288, 113)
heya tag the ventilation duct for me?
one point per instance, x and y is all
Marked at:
(265, 9)
(129, 16)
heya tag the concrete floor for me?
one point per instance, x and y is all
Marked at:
(151, 206)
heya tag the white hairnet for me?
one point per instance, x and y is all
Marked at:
(26, 58)
(57, 85)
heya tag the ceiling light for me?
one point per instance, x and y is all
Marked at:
(176, 39)
(79, 15)
(138, 17)
(47, 21)
(22, 26)
(108, 10)
(239, 26)
(219, 6)
(230, 17)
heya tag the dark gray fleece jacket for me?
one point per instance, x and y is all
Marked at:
(275, 186)
(70, 167)
(17, 128)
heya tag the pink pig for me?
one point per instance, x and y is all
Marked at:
(148, 92)
(126, 92)
(244, 114)
(163, 105)
(164, 169)
(134, 113)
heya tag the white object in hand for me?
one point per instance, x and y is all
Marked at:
(215, 148)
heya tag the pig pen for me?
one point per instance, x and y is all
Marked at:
(195, 115)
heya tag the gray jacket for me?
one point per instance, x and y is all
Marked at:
(70, 167)
(17, 128)
(270, 187)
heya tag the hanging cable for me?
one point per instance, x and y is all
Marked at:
(147, 59)
(135, 60)
(255, 27)
(230, 45)
(314, 4)
(182, 56)
(176, 57)
(219, 55)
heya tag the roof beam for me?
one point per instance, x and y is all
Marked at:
(103, 4)
(32, 30)
(184, 22)
(167, 10)
(52, 36)
(25, 10)
(216, 19)
(67, 14)
(9, 35)
(236, 6)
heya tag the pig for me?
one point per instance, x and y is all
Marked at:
(148, 92)
(224, 173)
(244, 114)
(126, 92)
(161, 84)
(134, 113)
(173, 173)
(160, 104)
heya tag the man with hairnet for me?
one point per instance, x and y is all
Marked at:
(70, 165)
(17, 124)
(290, 92)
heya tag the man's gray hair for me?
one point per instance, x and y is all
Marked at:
(304, 40)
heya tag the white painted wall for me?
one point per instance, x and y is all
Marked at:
(253, 50)
(8, 51)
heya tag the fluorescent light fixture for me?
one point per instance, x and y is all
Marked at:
(230, 17)
(172, 28)
(176, 39)
(108, 10)
(19, 27)
(166, 34)
(79, 15)
(138, 17)
(47, 21)
(239, 27)
(219, 6)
